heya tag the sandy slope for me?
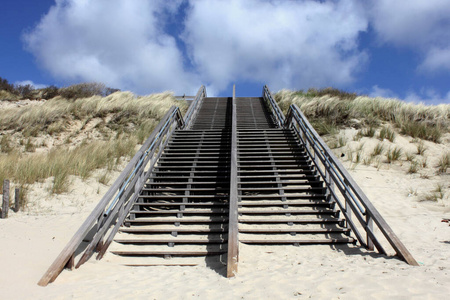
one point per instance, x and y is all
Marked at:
(31, 240)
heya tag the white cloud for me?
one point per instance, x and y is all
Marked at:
(283, 43)
(416, 24)
(120, 43)
(381, 92)
(436, 60)
(125, 44)
(29, 82)
(427, 95)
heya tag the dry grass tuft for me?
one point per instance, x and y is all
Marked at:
(394, 154)
(444, 163)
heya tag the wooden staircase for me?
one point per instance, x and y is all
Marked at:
(232, 170)
(182, 212)
(280, 195)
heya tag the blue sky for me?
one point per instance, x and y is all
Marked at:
(373, 47)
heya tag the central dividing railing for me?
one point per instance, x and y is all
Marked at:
(350, 198)
(111, 211)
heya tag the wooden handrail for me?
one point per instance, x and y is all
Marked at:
(112, 206)
(273, 106)
(195, 106)
(355, 198)
(233, 242)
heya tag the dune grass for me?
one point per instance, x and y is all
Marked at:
(61, 162)
(126, 120)
(53, 116)
(339, 109)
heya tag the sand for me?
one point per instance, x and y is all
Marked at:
(30, 240)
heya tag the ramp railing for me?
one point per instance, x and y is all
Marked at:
(110, 212)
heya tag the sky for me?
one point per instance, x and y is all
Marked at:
(388, 48)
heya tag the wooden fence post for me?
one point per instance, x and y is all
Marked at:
(5, 205)
(16, 200)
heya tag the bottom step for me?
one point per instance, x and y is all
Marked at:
(160, 265)
(175, 253)
(300, 242)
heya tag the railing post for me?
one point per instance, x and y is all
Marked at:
(233, 243)
(369, 221)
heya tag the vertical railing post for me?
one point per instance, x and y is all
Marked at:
(369, 221)
(233, 243)
(5, 204)
(16, 199)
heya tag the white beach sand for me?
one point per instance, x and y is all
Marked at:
(31, 240)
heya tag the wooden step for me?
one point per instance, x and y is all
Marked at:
(290, 220)
(172, 240)
(170, 230)
(293, 230)
(298, 241)
(175, 253)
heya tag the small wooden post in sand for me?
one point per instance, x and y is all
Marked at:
(16, 200)
(5, 205)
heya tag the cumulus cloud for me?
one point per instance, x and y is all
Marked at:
(31, 83)
(377, 91)
(427, 95)
(415, 24)
(436, 60)
(129, 44)
(120, 43)
(283, 43)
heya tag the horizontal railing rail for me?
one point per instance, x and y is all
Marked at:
(194, 107)
(355, 202)
(273, 106)
(113, 208)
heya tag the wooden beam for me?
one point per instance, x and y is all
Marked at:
(233, 242)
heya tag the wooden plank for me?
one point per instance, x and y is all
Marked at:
(298, 241)
(161, 265)
(169, 230)
(173, 240)
(177, 253)
(233, 242)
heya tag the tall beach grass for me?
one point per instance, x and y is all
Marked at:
(339, 109)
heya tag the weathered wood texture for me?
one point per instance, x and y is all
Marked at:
(16, 199)
(355, 199)
(233, 243)
(100, 218)
(5, 203)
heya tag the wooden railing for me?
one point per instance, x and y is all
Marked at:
(273, 107)
(233, 242)
(113, 208)
(350, 198)
(195, 106)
